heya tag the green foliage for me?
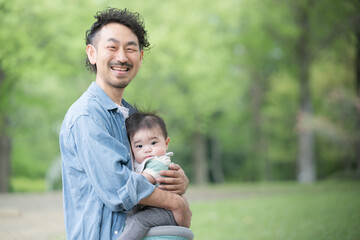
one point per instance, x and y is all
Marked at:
(24, 184)
(280, 112)
(223, 69)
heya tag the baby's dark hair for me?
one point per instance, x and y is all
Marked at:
(132, 20)
(143, 120)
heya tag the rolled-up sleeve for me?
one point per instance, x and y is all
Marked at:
(130, 194)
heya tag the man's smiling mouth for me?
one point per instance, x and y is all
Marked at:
(123, 69)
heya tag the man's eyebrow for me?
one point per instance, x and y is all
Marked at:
(113, 40)
(130, 43)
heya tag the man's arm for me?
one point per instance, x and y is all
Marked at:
(174, 180)
(177, 204)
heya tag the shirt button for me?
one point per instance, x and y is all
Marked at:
(116, 232)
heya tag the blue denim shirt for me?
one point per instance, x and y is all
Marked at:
(99, 187)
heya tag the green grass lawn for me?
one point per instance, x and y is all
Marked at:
(290, 211)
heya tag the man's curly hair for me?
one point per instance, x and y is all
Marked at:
(132, 20)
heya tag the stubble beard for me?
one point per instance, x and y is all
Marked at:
(121, 85)
(122, 82)
(119, 82)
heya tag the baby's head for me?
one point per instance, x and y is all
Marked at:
(147, 135)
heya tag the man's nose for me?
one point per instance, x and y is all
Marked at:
(121, 56)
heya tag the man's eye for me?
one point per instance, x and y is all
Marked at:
(111, 47)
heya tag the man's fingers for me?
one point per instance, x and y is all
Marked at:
(169, 187)
(169, 173)
(173, 180)
(177, 189)
(170, 181)
(174, 166)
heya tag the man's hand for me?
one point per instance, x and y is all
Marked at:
(174, 180)
(182, 212)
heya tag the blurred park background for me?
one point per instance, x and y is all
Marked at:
(261, 99)
(252, 91)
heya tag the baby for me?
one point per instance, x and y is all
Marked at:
(149, 142)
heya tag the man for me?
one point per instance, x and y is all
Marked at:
(99, 187)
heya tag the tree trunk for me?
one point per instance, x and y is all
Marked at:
(216, 160)
(306, 172)
(259, 143)
(201, 167)
(5, 146)
(5, 167)
(357, 64)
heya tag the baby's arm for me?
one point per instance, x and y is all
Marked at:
(149, 177)
(154, 166)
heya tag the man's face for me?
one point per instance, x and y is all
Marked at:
(117, 56)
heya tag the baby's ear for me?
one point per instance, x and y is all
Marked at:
(167, 141)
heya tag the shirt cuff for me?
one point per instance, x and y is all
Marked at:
(136, 188)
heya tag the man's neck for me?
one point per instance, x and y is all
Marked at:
(116, 94)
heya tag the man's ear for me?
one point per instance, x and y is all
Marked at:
(141, 57)
(91, 53)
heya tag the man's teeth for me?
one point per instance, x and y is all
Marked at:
(120, 68)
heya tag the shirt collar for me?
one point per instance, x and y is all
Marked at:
(105, 100)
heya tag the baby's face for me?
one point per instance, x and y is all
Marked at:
(148, 143)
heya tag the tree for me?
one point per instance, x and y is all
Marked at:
(303, 60)
(195, 80)
(234, 80)
(35, 57)
(313, 33)
(357, 142)
(5, 142)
